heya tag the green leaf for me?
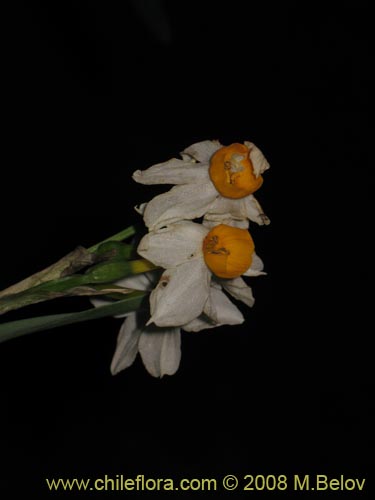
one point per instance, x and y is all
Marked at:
(60, 280)
(14, 329)
(106, 272)
(71, 263)
(122, 235)
(115, 249)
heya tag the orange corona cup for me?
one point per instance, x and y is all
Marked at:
(232, 173)
(228, 251)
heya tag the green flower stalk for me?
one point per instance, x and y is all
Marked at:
(83, 272)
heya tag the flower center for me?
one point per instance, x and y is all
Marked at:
(232, 173)
(228, 251)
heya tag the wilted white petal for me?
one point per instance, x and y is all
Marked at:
(236, 212)
(227, 206)
(227, 220)
(127, 344)
(181, 294)
(202, 151)
(239, 290)
(227, 211)
(221, 310)
(160, 350)
(256, 267)
(174, 244)
(173, 171)
(181, 202)
(254, 211)
(260, 164)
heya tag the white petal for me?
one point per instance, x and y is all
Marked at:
(260, 164)
(181, 294)
(199, 324)
(257, 263)
(99, 302)
(241, 224)
(181, 202)
(127, 343)
(221, 310)
(140, 209)
(142, 281)
(256, 267)
(239, 290)
(174, 244)
(202, 151)
(224, 210)
(227, 207)
(203, 322)
(173, 171)
(160, 350)
(103, 302)
(254, 211)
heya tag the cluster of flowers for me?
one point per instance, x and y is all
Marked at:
(199, 260)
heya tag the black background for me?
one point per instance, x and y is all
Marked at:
(95, 90)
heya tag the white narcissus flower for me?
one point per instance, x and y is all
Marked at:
(160, 348)
(213, 181)
(191, 255)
